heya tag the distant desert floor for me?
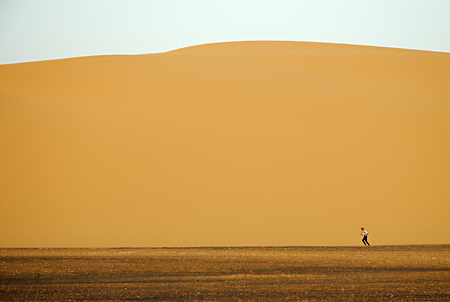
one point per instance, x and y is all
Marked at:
(392, 273)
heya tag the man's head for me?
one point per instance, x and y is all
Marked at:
(362, 229)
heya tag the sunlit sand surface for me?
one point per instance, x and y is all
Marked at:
(229, 144)
(384, 273)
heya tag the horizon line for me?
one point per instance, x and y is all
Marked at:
(232, 246)
(218, 42)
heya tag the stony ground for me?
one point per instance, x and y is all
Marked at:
(391, 273)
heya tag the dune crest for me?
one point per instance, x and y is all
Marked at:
(243, 143)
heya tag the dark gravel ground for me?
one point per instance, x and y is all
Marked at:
(383, 273)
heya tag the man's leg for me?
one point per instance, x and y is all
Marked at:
(364, 240)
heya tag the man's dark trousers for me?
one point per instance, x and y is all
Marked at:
(365, 241)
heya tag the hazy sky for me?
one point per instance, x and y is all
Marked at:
(41, 30)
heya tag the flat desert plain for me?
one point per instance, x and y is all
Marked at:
(391, 273)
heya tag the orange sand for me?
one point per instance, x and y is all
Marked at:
(244, 143)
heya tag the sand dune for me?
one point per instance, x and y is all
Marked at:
(244, 143)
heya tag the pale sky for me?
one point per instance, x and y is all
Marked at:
(32, 30)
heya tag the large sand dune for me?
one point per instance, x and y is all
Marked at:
(245, 143)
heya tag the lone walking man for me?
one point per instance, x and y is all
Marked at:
(365, 233)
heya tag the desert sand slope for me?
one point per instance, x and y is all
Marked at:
(245, 143)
